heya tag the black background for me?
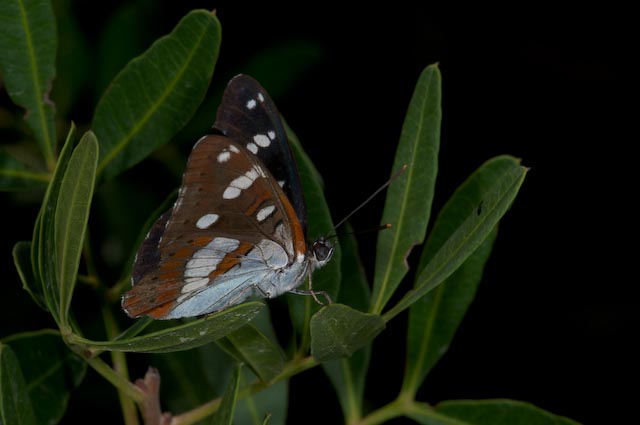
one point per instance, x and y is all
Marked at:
(555, 317)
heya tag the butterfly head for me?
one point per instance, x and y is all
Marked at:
(321, 252)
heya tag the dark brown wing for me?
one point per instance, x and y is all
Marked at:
(227, 205)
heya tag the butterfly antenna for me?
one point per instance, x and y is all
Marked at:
(359, 232)
(380, 189)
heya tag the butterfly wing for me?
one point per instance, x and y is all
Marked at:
(248, 115)
(232, 233)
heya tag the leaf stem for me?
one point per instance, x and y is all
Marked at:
(114, 378)
(353, 412)
(120, 367)
(305, 340)
(392, 410)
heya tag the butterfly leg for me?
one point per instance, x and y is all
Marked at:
(313, 293)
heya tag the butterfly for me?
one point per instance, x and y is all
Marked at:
(238, 227)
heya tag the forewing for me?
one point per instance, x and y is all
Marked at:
(248, 115)
(227, 205)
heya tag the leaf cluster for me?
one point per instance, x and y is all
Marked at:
(147, 103)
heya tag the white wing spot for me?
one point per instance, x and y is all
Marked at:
(260, 97)
(241, 183)
(231, 193)
(271, 134)
(206, 221)
(265, 212)
(233, 149)
(261, 140)
(281, 183)
(251, 104)
(253, 174)
(224, 156)
(205, 260)
(252, 147)
(200, 267)
(194, 283)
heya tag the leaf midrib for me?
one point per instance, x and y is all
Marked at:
(151, 111)
(379, 305)
(411, 383)
(35, 76)
(400, 306)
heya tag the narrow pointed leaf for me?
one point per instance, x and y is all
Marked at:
(72, 215)
(466, 238)
(181, 337)
(498, 412)
(408, 202)
(434, 318)
(252, 347)
(51, 371)
(347, 375)
(224, 415)
(14, 175)
(154, 96)
(15, 404)
(28, 44)
(320, 224)
(22, 261)
(43, 250)
(339, 331)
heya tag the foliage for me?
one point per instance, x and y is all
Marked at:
(144, 107)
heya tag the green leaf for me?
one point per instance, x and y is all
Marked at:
(15, 404)
(434, 318)
(224, 415)
(496, 200)
(182, 337)
(51, 371)
(408, 204)
(72, 215)
(320, 224)
(14, 175)
(156, 93)
(22, 261)
(339, 331)
(28, 44)
(252, 347)
(492, 412)
(348, 375)
(43, 250)
(355, 292)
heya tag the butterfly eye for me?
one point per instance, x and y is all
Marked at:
(322, 251)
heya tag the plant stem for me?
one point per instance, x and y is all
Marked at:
(119, 361)
(305, 339)
(383, 414)
(118, 381)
